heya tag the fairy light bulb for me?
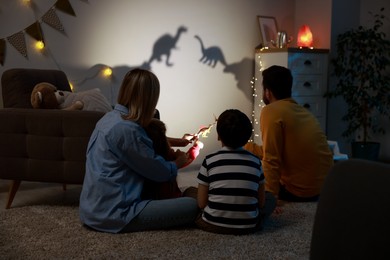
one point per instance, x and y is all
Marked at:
(107, 72)
(39, 45)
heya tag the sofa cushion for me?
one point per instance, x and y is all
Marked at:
(45, 145)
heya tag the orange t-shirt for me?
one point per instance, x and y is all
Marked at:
(295, 149)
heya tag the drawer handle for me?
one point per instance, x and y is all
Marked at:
(307, 84)
(307, 62)
(306, 106)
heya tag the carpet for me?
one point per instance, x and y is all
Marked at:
(55, 232)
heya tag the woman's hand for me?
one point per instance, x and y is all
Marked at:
(181, 158)
(190, 137)
(182, 142)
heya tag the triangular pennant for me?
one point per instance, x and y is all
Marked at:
(2, 51)
(65, 6)
(35, 31)
(51, 18)
(17, 40)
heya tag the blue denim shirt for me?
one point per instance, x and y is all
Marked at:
(119, 158)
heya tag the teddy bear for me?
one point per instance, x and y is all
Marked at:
(46, 96)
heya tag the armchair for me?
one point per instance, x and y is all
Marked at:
(353, 212)
(41, 145)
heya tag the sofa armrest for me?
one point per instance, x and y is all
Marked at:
(45, 145)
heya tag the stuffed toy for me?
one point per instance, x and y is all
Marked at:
(156, 130)
(46, 96)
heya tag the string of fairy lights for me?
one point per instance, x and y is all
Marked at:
(34, 30)
(258, 102)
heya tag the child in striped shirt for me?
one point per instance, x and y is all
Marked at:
(231, 189)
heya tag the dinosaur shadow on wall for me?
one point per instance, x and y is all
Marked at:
(164, 45)
(243, 71)
(162, 48)
(211, 55)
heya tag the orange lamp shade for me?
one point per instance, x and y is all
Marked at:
(305, 37)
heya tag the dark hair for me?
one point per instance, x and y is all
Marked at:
(156, 130)
(234, 128)
(278, 80)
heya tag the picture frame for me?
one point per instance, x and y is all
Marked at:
(268, 30)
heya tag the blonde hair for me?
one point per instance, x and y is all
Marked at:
(139, 92)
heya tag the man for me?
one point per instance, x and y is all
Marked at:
(295, 154)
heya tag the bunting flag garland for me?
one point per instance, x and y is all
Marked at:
(2, 51)
(65, 6)
(51, 18)
(17, 40)
(35, 31)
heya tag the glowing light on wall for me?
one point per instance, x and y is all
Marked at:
(39, 45)
(305, 37)
(107, 72)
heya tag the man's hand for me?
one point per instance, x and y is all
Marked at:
(278, 210)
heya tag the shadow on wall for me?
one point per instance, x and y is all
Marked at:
(243, 70)
(164, 45)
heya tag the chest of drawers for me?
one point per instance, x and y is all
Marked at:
(310, 80)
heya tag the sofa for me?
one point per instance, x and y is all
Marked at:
(40, 145)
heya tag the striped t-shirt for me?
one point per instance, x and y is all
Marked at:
(233, 178)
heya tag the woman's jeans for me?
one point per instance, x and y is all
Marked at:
(165, 214)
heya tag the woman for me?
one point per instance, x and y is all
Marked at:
(120, 157)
